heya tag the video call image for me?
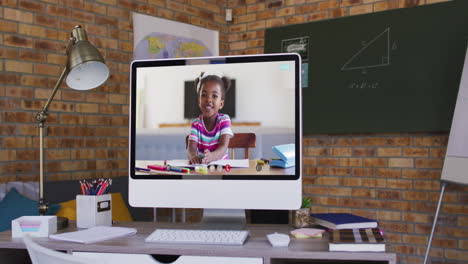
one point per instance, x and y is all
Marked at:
(215, 119)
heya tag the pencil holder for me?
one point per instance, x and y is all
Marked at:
(93, 210)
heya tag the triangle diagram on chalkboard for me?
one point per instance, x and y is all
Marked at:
(375, 53)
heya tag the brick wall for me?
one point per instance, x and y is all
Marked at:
(389, 177)
(88, 131)
(393, 178)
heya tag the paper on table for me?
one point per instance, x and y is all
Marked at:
(236, 163)
(95, 234)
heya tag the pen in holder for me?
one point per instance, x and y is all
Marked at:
(93, 210)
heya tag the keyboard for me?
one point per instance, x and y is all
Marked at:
(188, 236)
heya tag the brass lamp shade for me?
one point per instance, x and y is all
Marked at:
(86, 66)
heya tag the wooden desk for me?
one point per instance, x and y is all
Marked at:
(257, 246)
(251, 170)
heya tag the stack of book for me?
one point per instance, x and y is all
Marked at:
(351, 233)
(287, 156)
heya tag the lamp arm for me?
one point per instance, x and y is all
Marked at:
(41, 116)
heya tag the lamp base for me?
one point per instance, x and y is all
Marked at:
(62, 222)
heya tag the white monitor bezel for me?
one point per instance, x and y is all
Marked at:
(241, 192)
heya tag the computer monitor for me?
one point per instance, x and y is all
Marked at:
(268, 105)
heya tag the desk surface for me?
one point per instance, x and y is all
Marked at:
(257, 245)
(251, 170)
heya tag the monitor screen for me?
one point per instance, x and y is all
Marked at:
(256, 138)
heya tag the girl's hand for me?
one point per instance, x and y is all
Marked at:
(208, 157)
(195, 159)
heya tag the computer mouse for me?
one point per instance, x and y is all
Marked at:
(278, 240)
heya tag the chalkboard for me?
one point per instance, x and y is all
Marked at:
(392, 71)
(456, 161)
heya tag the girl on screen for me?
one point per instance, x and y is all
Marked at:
(211, 131)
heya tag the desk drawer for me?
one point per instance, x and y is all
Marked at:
(116, 258)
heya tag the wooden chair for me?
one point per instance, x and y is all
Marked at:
(239, 140)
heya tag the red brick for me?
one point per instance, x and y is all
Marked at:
(351, 162)
(389, 152)
(373, 183)
(428, 141)
(388, 215)
(415, 196)
(9, 53)
(21, 92)
(305, 9)
(95, 8)
(328, 181)
(286, 11)
(399, 184)
(327, 161)
(256, 8)
(375, 162)
(8, 26)
(313, 151)
(317, 16)
(340, 171)
(341, 152)
(58, 11)
(338, 12)
(437, 152)
(389, 195)
(429, 163)
(363, 172)
(420, 174)
(339, 191)
(364, 152)
(18, 66)
(361, 9)
(351, 2)
(456, 254)
(17, 15)
(426, 185)
(275, 4)
(49, 45)
(401, 162)
(16, 41)
(370, 193)
(352, 182)
(275, 22)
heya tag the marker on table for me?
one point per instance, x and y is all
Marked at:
(156, 167)
(184, 170)
(141, 169)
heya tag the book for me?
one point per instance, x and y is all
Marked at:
(343, 221)
(286, 152)
(355, 240)
(94, 234)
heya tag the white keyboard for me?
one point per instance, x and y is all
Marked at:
(186, 236)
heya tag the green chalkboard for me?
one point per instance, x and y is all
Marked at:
(392, 71)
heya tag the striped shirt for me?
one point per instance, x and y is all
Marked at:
(210, 139)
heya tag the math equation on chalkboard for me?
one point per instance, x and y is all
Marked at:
(364, 85)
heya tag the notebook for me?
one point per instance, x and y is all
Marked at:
(354, 240)
(343, 221)
(95, 234)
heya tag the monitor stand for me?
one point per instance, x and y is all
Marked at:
(223, 219)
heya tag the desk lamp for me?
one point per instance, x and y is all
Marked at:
(85, 69)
